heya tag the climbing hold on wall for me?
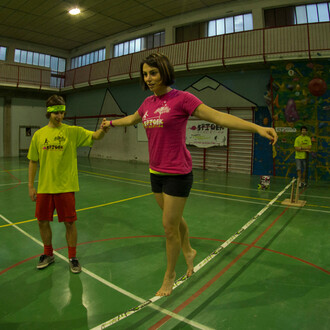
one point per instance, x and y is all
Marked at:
(291, 73)
(291, 114)
(317, 86)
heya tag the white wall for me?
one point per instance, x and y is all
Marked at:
(25, 112)
(121, 143)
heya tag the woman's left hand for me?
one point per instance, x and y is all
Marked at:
(105, 125)
(269, 133)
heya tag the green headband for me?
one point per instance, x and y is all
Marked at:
(56, 108)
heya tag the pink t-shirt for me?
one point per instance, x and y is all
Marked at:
(165, 119)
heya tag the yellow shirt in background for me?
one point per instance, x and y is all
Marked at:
(303, 142)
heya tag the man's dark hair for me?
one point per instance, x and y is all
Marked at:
(54, 100)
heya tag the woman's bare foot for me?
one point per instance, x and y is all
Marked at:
(167, 285)
(190, 262)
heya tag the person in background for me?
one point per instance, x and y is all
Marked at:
(164, 116)
(54, 146)
(302, 145)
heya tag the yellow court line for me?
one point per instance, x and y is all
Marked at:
(84, 209)
(204, 191)
(231, 195)
(127, 199)
(197, 190)
(18, 223)
(257, 198)
(116, 202)
(114, 177)
(323, 206)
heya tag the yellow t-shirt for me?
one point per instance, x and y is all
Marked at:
(302, 141)
(56, 151)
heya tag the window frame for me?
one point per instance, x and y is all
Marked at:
(88, 58)
(139, 44)
(3, 53)
(227, 25)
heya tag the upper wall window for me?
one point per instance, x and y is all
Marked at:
(284, 16)
(3, 51)
(89, 58)
(56, 64)
(312, 13)
(136, 45)
(231, 24)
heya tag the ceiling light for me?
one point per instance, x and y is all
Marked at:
(74, 11)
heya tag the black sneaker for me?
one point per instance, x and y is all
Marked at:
(45, 261)
(74, 265)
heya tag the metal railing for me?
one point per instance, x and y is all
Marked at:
(305, 41)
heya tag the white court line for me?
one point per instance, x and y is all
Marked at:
(148, 176)
(14, 184)
(203, 195)
(113, 286)
(195, 182)
(260, 203)
(116, 180)
(205, 261)
(115, 171)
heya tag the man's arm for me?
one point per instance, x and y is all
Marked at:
(32, 174)
(99, 134)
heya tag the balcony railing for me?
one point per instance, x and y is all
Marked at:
(306, 41)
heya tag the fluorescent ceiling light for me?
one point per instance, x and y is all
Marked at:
(74, 11)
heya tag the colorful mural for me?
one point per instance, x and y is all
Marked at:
(263, 153)
(298, 96)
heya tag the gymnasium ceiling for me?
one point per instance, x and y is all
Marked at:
(47, 22)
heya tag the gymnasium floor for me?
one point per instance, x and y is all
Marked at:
(275, 275)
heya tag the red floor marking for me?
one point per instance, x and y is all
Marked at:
(295, 258)
(19, 181)
(147, 236)
(19, 263)
(216, 277)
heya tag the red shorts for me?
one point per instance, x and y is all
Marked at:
(63, 203)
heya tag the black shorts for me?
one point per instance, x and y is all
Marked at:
(173, 185)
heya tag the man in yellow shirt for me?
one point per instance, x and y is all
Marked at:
(55, 148)
(302, 145)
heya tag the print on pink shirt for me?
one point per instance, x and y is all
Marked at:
(156, 122)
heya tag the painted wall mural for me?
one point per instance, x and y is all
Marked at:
(298, 96)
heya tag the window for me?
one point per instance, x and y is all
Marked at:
(129, 47)
(56, 64)
(284, 16)
(136, 45)
(3, 51)
(230, 24)
(89, 58)
(312, 13)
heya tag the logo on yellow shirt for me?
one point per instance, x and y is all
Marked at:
(56, 145)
